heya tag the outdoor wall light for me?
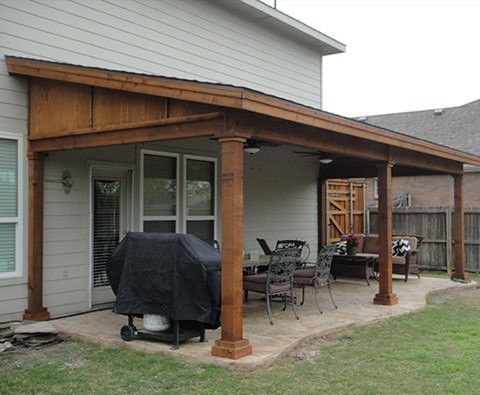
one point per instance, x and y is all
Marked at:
(66, 181)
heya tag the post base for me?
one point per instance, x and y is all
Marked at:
(385, 299)
(232, 350)
(36, 315)
(459, 276)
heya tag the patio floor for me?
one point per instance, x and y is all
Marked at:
(355, 308)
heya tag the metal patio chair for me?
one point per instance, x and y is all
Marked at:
(317, 276)
(277, 281)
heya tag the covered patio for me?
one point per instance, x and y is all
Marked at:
(272, 342)
(74, 107)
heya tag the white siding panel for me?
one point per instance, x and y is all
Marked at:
(187, 39)
(280, 198)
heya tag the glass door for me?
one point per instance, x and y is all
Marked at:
(110, 222)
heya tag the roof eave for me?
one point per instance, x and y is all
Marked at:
(299, 30)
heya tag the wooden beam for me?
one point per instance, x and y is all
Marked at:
(35, 310)
(182, 127)
(232, 344)
(322, 212)
(458, 228)
(385, 295)
(235, 98)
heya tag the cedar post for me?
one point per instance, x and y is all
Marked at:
(232, 344)
(35, 310)
(385, 295)
(458, 228)
(322, 217)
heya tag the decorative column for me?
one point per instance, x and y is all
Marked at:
(322, 208)
(458, 228)
(35, 310)
(232, 344)
(385, 296)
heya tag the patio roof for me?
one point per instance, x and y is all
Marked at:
(270, 118)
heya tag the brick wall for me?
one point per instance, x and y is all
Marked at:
(432, 191)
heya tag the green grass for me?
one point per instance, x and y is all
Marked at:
(434, 351)
(444, 274)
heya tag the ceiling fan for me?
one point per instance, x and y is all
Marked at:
(323, 157)
(252, 146)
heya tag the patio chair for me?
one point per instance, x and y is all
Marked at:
(300, 244)
(316, 276)
(277, 281)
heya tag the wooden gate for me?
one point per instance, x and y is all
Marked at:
(346, 208)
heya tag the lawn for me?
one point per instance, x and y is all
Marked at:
(431, 351)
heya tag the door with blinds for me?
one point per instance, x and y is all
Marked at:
(111, 208)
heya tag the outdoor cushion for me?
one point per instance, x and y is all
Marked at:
(400, 247)
(305, 272)
(398, 260)
(371, 244)
(256, 278)
(341, 248)
(411, 239)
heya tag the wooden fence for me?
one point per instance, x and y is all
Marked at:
(435, 226)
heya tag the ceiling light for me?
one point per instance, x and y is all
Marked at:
(325, 161)
(251, 148)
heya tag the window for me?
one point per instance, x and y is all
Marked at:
(200, 197)
(10, 209)
(163, 188)
(160, 192)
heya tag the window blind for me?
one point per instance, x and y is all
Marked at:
(8, 178)
(7, 248)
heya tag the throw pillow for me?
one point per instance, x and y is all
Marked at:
(400, 247)
(341, 248)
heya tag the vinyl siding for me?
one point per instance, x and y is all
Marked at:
(183, 38)
(280, 198)
(193, 39)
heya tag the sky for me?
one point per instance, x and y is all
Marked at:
(402, 55)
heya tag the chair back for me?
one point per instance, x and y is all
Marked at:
(282, 265)
(324, 264)
(301, 245)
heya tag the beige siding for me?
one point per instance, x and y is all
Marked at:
(280, 198)
(198, 39)
(193, 39)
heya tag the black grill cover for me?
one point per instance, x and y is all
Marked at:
(175, 275)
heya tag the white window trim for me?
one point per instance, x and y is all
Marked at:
(18, 220)
(177, 198)
(187, 217)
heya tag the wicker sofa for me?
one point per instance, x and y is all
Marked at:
(405, 264)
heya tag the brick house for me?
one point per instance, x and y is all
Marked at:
(454, 127)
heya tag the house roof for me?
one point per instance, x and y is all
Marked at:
(366, 141)
(455, 127)
(282, 22)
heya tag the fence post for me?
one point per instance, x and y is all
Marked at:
(448, 237)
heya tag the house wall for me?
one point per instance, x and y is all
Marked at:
(433, 191)
(193, 39)
(280, 202)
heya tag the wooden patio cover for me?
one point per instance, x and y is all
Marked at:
(74, 107)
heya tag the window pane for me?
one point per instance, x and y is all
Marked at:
(7, 248)
(160, 185)
(202, 229)
(159, 226)
(200, 187)
(8, 178)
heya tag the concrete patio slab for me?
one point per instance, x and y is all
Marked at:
(271, 341)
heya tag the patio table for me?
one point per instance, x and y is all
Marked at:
(360, 265)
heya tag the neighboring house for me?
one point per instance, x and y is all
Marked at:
(93, 196)
(454, 127)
